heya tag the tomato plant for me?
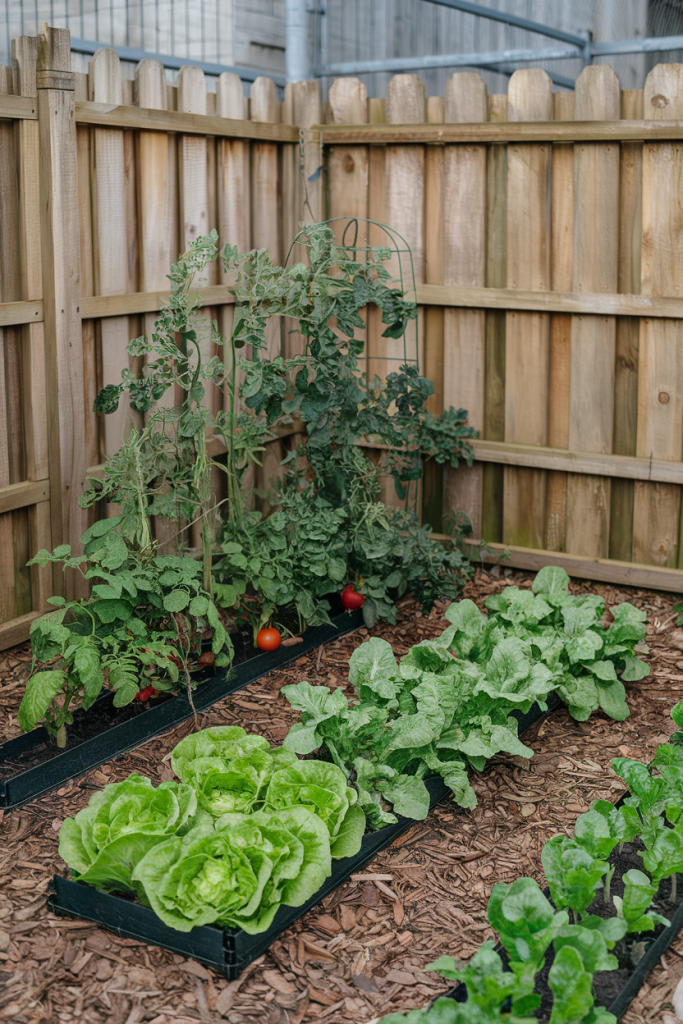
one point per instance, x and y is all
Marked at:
(268, 639)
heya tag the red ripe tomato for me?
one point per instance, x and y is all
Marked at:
(268, 639)
(207, 658)
(146, 693)
(351, 599)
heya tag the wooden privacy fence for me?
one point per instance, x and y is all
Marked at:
(546, 237)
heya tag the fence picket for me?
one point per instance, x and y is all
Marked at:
(465, 264)
(110, 236)
(32, 523)
(432, 482)
(656, 510)
(10, 339)
(266, 227)
(496, 277)
(628, 329)
(527, 334)
(596, 250)
(561, 261)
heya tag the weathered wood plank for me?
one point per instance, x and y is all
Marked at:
(596, 254)
(527, 334)
(465, 264)
(656, 511)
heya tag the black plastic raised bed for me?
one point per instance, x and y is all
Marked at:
(124, 728)
(227, 950)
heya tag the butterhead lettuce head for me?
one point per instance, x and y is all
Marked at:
(105, 840)
(238, 876)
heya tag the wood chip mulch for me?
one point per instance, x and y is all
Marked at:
(362, 953)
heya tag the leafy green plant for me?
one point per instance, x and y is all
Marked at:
(238, 875)
(326, 388)
(448, 705)
(143, 624)
(234, 772)
(249, 828)
(104, 842)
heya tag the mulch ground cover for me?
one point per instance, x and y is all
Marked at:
(362, 952)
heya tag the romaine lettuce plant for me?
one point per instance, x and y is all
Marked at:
(447, 707)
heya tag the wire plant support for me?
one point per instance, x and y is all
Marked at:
(400, 252)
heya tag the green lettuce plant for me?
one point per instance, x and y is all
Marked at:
(239, 874)
(235, 772)
(103, 842)
(447, 706)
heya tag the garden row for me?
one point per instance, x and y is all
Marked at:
(196, 856)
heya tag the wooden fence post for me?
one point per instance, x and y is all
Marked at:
(24, 56)
(496, 277)
(527, 334)
(656, 510)
(433, 479)
(596, 259)
(61, 266)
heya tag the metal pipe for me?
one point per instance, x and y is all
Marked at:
(655, 44)
(173, 63)
(447, 60)
(298, 61)
(511, 19)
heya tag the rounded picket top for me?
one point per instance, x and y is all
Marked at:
(406, 101)
(230, 96)
(150, 84)
(466, 98)
(598, 94)
(265, 105)
(530, 95)
(191, 90)
(348, 100)
(663, 93)
(105, 83)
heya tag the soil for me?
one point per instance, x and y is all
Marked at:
(363, 952)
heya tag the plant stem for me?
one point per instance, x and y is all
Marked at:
(672, 895)
(61, 736)
(606, 894)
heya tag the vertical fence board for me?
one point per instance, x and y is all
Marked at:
(527, 334)
(92, 373)
(496, 277)
(628, 329)
(432, 484)
(266, 227)
(656, 509)
(465, 265)
(265, 192)
(561, 259)
(404, 171)
(376, 213)
(596, 248)
(110, 235)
